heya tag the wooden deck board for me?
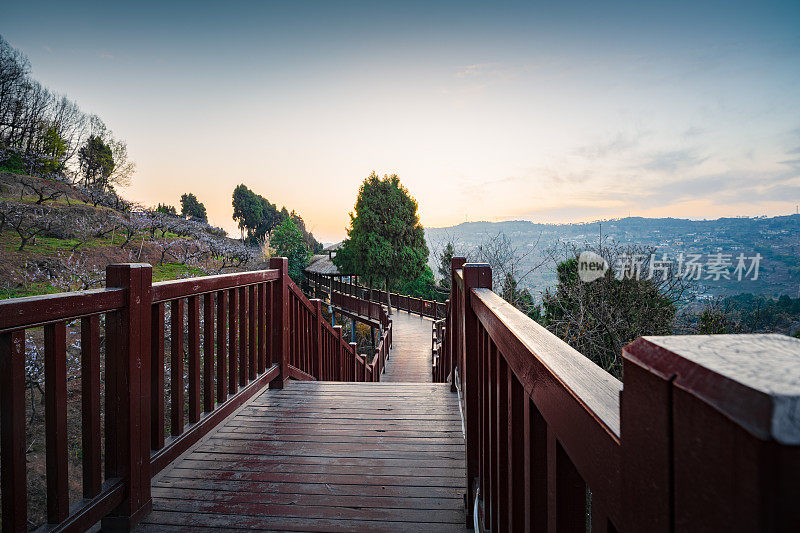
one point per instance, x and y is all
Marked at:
(410, 356)
(321, 456)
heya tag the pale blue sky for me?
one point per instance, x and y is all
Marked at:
(543, 111)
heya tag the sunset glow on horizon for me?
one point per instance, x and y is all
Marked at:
(548, 113)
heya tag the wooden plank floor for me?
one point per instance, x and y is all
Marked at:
(322, 456)
(410, 356)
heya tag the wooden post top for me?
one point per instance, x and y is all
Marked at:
(752, 379)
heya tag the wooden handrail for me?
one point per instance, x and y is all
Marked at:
(258, 329)
(35, 311)
(518, 337)
(411, 304)
(178, 288)
(544, 424)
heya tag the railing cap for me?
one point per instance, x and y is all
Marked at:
(752, 379)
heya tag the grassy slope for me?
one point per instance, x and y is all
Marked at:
(20, 273)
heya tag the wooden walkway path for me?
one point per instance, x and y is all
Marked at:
(410, 356)
(323, 456)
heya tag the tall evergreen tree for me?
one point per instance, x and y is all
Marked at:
(385, 241)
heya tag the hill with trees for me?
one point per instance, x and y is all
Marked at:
(257, 217)
(776, 239)
(54, 237)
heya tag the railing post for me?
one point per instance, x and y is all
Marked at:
(454, 344)
(128, 393)
(279, 321)
(317, 332)
(710, 433)
(475, 276)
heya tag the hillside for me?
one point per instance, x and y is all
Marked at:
(55, 236)
(777, 239)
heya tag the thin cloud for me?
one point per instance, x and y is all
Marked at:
(672, 161)
(622, 143)
(476, 69)
(693, 132)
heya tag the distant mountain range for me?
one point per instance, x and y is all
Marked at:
(776, 239)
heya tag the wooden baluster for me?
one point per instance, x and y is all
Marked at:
(208, 352)
(311, 357)
(486, 431)
(176, 368)
(316, 331)
(352, 367)
(326, 350)
(516, 455)
(156, 374)
(293, 330)
(252, 333)
(194, 358)
(600, 522)
(262, 327)
(55, 383)
(494, 476)
(566, 490)
(309, 341)
(233, 345)
(338, 351)
(270, 359)
(280, 320)
(222, 346)
(243, 310)
(293, 334)
(535, 467)
(502, 442)
(301, 335)
(90, 405)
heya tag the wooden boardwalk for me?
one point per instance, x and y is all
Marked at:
(323, 456)
(410, 356)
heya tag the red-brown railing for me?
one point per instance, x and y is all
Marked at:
(362, 307)
(704, 435)
(411, 304)
(243, 331)
(441, 363)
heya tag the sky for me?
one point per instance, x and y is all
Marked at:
(544, 111)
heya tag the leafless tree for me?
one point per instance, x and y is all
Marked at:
(599, 317)
(29, 223)
(45, 190)
(507, 259)
(78, 274)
